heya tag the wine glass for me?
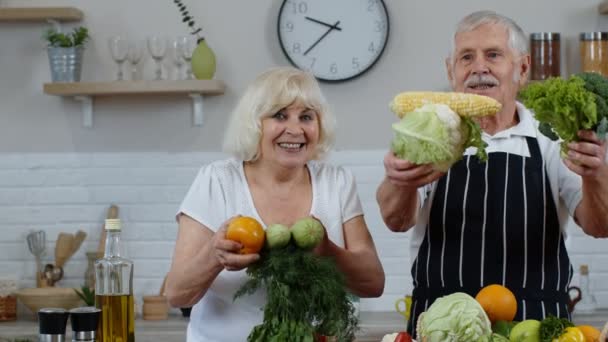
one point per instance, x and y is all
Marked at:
(134, 56)
(177, 56)
(157, 47)
(189, 43)
(118, 49)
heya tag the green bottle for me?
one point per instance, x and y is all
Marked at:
(203, 61)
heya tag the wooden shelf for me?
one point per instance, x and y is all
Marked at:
(40, 14)
(203, 87)
(85, 91)
(603, 7)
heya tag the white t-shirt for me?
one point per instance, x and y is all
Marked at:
(219, 192)
(566, 185)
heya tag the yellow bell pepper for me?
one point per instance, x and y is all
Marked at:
(571, 334)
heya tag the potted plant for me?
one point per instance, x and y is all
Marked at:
(203, 58)
(65, 53)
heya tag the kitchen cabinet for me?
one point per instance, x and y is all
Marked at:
(86, 91)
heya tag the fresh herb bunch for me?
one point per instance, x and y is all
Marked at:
(189, 19)
(552, 327)
(306, 295)
(87, 295)
(79, 36)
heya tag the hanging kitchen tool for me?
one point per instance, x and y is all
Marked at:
(36, 242)
(112, 214)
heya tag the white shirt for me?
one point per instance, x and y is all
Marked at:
(566, 185)
(219, 192)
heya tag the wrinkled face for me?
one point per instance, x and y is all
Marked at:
(290, 136)
(484, 63)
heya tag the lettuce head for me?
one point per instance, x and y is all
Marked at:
(435, 134)
(455, 318)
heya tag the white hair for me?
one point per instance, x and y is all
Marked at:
(518, 41)
(270, 92)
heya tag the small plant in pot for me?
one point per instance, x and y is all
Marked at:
(65, 53)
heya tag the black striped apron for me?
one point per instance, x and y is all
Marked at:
(494, 223)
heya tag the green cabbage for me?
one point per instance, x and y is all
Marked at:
(434, 134)
(455, 318)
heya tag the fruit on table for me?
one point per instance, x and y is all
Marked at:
(498, 302)
(403, 337)
(248, 232)
(571, 334)
(591, 334)
(526, 331)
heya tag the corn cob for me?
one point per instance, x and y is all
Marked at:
(463, 104)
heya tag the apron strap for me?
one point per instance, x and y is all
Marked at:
(422, 293)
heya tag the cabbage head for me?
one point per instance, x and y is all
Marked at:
(434, 134)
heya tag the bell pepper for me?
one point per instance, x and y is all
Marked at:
(571, 334)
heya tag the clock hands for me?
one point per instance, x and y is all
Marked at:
(323, 23)
(331, 28)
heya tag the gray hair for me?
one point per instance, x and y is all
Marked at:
(518, 41)
(270, 92)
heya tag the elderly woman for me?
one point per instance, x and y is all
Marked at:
(278, 131)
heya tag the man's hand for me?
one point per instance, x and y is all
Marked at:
(587, 157)
(404, 173)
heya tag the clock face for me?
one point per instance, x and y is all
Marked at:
(336, 40)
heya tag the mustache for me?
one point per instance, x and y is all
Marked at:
(476, 80)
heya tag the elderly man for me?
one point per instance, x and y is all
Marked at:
(503, 221)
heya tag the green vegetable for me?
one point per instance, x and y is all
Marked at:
(565, 105)
(552, 327)
(526, 331)
(277, 236)
(435, 134)
(499, 338)
(307, 232)
(598, 85)
(456, 317)
(306, 294)
(503, 328)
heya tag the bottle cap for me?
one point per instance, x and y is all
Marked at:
(584, 269)
(52, 321)
(84, 318)
(113, 224)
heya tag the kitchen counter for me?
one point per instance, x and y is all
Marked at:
(373, 326)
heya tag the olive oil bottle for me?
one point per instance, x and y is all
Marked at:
(114, 290)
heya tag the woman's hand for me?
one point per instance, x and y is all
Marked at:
(587, 157)
(227, 251)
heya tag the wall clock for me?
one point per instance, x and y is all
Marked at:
(336, 40)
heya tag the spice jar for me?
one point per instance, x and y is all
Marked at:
(545, 54)
(594, 52)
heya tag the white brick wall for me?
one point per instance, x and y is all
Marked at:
(69, 191)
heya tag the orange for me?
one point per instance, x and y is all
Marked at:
(591, 333)
(248, 232)
(498, 302)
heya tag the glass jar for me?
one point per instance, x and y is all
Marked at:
(545, 51)
(594, 52)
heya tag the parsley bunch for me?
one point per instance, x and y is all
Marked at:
(306, 296)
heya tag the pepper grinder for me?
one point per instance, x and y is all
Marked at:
(51, 322)
(85, 321)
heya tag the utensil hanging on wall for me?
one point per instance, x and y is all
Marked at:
(36, 243)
